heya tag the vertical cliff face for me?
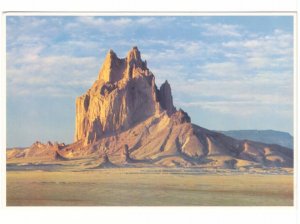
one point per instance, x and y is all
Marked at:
(123, 95)
(112, 68)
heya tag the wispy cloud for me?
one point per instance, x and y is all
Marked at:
(49, 75)
(227, 70)
(221, 29)
(100, 22)
(113, 25)
(264, 52)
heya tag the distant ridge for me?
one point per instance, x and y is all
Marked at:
(265, 136)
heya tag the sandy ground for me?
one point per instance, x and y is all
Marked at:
(129, 187)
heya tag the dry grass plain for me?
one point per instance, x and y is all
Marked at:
(143, 187)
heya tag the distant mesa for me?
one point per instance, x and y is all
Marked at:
(126, 120)
(266, 136)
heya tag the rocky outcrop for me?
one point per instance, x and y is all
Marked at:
(166, 99)
(180, 117)
(48, 151)
(105, 163)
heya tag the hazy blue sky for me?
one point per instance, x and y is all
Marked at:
(227, 72)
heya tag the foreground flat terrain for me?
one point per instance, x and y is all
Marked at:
(147, 187)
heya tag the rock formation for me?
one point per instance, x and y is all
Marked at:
(166, 99)
(123, 95)
(126, 120)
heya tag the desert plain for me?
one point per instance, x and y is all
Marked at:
(53, 186)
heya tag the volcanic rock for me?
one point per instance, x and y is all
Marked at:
(124, 95)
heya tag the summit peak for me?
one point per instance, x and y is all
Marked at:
(114, 68)
(134, 55)
(111, 51)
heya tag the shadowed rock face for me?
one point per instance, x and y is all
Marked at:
(166, 99)
(127, 121)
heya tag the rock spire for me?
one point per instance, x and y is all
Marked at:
(124, 94)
